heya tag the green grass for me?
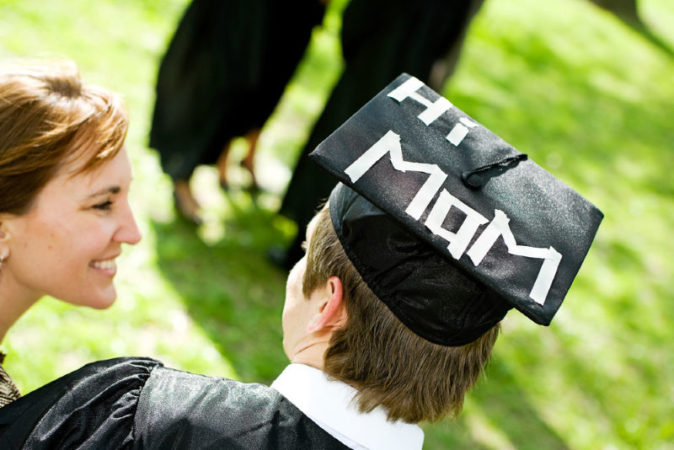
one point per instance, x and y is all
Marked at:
(582, 94)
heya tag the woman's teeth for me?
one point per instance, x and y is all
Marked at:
(108, 264)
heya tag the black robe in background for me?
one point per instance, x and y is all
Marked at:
(380, 40)
(223, 74)
(136, 403)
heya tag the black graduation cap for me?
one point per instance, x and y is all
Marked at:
(448, 224)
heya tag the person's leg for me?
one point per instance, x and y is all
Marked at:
(221, 164)
(186, 205)
(249, 161)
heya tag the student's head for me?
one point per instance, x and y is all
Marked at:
(64, 179)
(436, 230)
(369, 348)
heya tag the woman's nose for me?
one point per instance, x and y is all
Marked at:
(129, 232)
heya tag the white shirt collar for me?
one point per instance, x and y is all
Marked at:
(329, 403)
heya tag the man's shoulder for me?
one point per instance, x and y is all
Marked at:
(197, 411)
(172, 392)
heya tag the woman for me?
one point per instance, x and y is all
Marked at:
(64, 183)
(64, 214)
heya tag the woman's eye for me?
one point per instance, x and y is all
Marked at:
(104, 206)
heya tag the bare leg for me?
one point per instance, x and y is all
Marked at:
(186, 204)
(222, 165)
(249, 161)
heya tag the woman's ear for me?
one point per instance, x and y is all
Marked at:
(331, 314)
(5, 236)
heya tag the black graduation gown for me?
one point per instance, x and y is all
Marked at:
(136, 403)
(223, 74)
(380, 40)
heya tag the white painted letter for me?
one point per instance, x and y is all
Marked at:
(390, 143)
(499, 227)
(433, 109)
(458, 242)
(460, 131)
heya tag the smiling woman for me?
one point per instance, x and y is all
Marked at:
(64, 181)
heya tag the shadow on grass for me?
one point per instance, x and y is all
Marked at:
(596, 126)
(230, 289)
(454, 434)
(233, 292)
(504, 404)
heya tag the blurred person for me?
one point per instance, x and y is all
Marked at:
(628, 12)
(423, 38)
(389, 318)
(64, 183)
(223, 74)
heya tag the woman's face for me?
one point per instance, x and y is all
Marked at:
(66, 245)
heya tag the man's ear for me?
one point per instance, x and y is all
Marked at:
(331, 314)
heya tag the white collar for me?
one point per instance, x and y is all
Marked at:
(329, 403)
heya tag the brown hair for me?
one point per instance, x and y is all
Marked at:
(48, 120)
(414, 379)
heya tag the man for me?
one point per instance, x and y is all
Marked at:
(335, 328)
(437, 229)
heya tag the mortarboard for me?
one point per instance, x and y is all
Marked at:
(448, 224)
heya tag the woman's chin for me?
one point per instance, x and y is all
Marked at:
(104, 302)
(103, 305)
(101, 300)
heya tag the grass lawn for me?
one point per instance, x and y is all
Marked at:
(585, 96)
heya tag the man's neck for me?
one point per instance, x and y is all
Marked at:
(312, 354)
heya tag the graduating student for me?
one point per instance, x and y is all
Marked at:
(437, 229)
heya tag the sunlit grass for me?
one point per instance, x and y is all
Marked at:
(586, 97)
